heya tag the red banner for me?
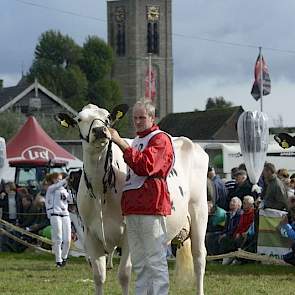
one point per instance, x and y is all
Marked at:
(150, 84)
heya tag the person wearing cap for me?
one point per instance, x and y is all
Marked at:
(244, 187)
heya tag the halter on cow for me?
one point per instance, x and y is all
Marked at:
(101, 214)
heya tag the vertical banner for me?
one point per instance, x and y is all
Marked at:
(150, 84)
(270, 241)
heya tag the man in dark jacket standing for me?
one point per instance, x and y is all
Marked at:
(274, 195)
(146, 200)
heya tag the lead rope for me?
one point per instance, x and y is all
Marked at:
(102, 228)
(109, 177)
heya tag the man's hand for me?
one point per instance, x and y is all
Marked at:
(117, 139)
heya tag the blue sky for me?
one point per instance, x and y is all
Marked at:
(205, 64)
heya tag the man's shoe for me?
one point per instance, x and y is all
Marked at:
(59, 264)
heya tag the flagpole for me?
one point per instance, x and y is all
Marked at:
(261, 79)
(150, 76)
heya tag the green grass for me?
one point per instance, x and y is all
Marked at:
(32, 273)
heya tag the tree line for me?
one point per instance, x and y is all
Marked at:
(77, 74)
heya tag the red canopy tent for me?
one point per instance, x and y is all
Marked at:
(32, 146)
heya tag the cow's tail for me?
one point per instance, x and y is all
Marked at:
(184, 271)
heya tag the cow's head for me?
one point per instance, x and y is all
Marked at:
(93, 122)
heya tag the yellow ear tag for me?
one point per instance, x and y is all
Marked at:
(119, 115)
(285, 144)
(63, 123)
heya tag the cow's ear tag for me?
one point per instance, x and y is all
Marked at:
(119, 115)
(65, 120)
(63, 123)
(119, 112)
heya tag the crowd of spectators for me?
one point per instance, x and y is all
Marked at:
(23, 207)
(233, 208)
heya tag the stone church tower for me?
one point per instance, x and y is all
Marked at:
(140, 33)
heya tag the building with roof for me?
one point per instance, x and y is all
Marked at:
(212, 124)
(31, 98)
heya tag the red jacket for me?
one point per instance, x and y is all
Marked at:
(246, 220)
(155, 161)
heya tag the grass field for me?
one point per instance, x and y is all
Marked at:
(32, 273)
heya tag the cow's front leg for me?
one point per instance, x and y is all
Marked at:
(124, 270)
(99, 273)
(98, 262)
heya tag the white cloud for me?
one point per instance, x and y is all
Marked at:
(10, 79)
(191, 95)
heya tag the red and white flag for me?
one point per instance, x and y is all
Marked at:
(150, 84)
(261, 73)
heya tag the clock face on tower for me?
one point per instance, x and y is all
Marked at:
(120, 14)
(153, 13)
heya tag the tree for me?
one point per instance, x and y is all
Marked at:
(97, 59)
(76, 74)
(54, 130)
(61, 50)
(218, 103)
(10, 122)
(105, 94)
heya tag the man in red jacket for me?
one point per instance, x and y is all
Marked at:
(146, 200)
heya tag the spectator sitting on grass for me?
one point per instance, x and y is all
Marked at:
(215, 225)
(231, 222)
(240, 235)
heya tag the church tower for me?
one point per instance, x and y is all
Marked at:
(140, 33)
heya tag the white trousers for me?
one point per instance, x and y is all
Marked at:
(147, 239)
(60, 236)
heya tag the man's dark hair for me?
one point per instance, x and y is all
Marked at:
(242, 167)
(270, 167)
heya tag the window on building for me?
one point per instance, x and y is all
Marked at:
(152, 38)
(121, 42)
